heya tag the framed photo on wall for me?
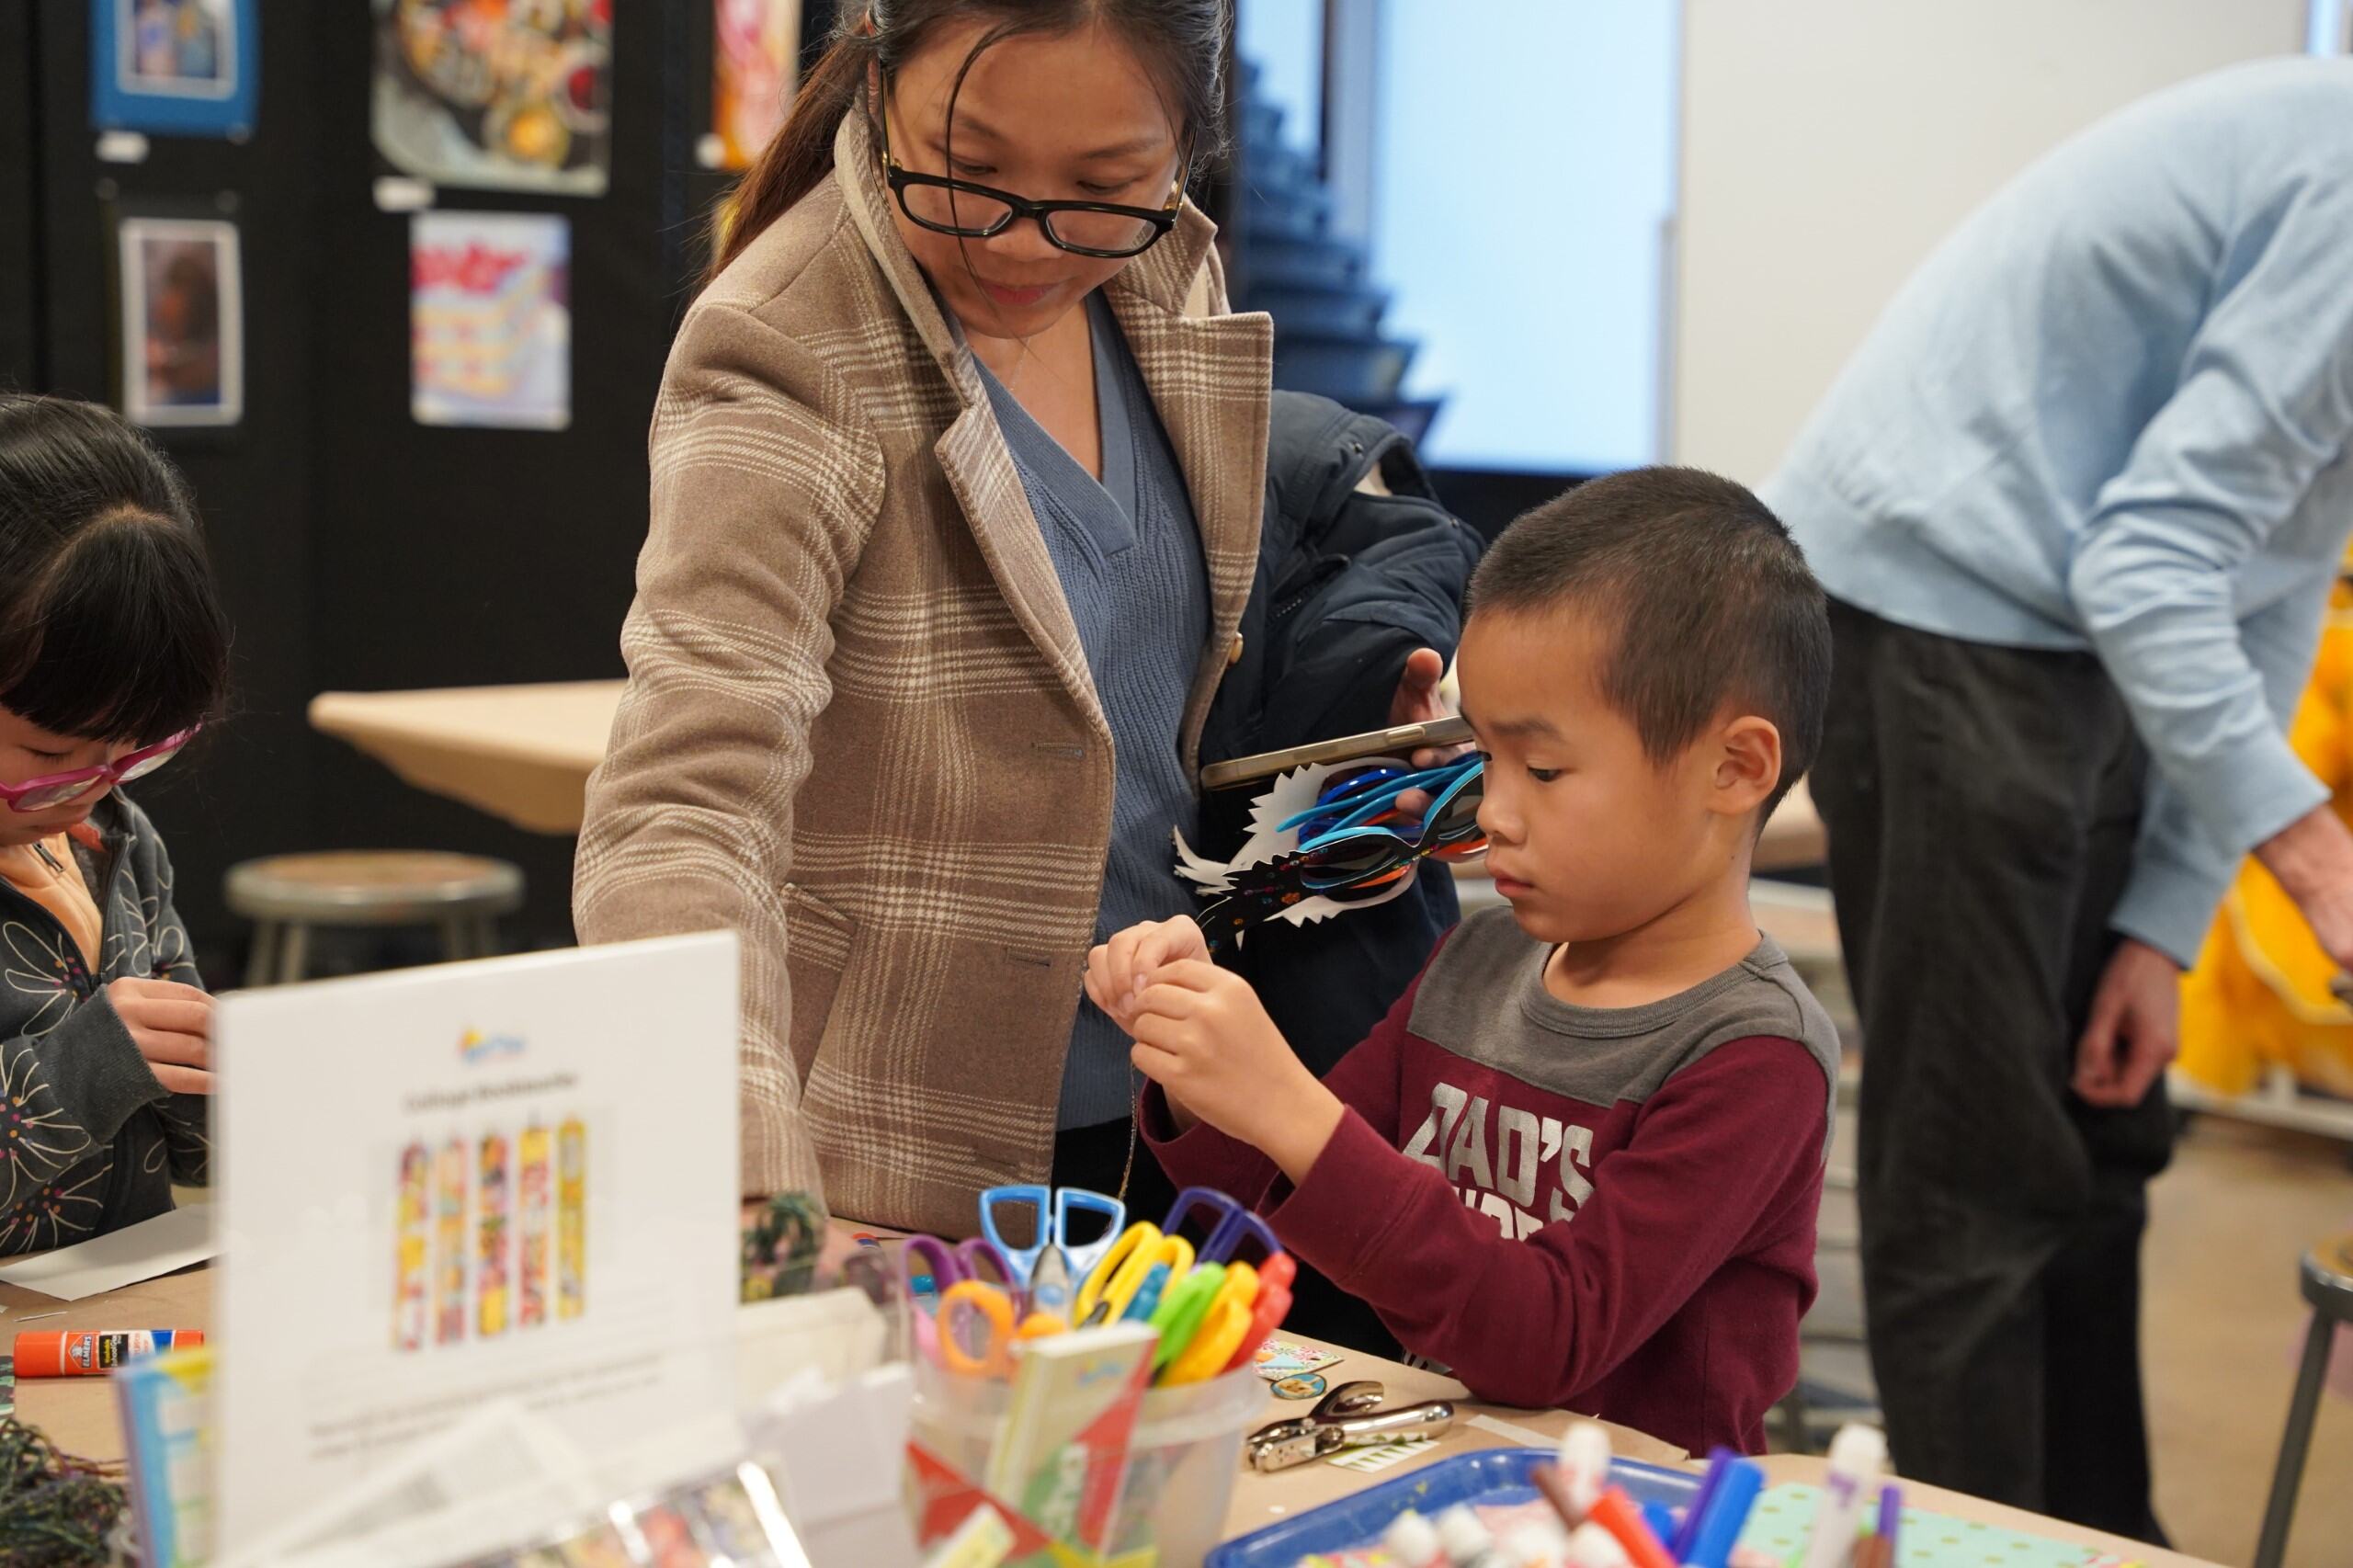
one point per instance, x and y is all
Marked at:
(182, 341)
(174, 67)
(496, 94)
(490, 320)
(756, 48)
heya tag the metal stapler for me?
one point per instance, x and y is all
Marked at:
(1348, 1417)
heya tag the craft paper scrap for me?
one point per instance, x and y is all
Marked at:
(120, 1257)
(1281, 1359)
(1372, 1461)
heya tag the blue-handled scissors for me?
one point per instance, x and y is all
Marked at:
(1049, 1227)
(1230, 1226)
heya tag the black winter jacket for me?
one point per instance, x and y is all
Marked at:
(1350, 584)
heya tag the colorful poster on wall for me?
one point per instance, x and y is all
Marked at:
(755, 45)
(500, 94)
(182, 341)
(490, 320)
(174, 67)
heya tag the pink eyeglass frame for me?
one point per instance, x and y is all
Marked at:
(135, 765)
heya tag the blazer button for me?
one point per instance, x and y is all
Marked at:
(1234, 657)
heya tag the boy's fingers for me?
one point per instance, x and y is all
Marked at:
(1154, 1063)
(1121, 974)
(1164, 1034)
(1192, 974)
(1165, 1002)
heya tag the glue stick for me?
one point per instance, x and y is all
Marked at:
(90, 1352)
(1857, 1454)
(1584, 1464)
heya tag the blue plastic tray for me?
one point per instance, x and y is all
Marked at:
(1493, 1475)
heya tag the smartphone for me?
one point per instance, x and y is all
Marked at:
(1403, 740)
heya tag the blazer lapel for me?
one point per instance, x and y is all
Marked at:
(972, 451)
(1210, 378)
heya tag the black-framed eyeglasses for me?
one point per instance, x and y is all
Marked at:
(959, 207)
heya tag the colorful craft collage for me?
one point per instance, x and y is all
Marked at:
(469, 96)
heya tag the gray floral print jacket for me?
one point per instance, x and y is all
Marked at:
(89, 1140)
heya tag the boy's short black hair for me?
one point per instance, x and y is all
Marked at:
(1709, 599)
(110, 627)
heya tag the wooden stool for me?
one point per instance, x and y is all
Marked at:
(286, 895)
(2328, 1285)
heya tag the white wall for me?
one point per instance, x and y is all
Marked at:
(1828, 144)
(1523, 176)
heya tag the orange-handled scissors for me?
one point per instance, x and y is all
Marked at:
(977, 1332)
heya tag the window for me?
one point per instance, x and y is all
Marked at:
(1523, 181)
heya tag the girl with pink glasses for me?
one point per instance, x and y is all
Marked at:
(113, 652)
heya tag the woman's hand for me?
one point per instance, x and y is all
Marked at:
(171, 1026)
(1203, 1036)
(1418, 702)
(1117, 970)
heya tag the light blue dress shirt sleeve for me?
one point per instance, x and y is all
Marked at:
(2179, 870)
(2264, 405)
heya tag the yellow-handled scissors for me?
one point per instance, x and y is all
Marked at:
(1220, 1330)
(1113, 1282)
(977, 1332)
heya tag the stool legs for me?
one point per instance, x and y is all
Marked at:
(2295, 1443)
(468, 937)
(281, 949)
(293, 953)
(261, 963)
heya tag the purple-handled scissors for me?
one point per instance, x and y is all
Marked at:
(932, 1266)
(1228, 1225)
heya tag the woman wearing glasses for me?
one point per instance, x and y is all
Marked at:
(957, 475)
(113, 650)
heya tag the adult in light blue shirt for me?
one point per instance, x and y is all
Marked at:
(2078, 501)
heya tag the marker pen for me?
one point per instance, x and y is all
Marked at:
(93, 1352)
(1727, 1509)
(1615, 1512)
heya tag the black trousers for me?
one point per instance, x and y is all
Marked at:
(1981, 805)
(1095, 1157)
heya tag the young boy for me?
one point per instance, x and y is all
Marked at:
(1579, 1161)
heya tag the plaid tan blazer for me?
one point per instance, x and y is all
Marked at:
(860, 728)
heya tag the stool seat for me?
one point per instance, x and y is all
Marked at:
(2328, 1277)
(286, 895)
(373, 887)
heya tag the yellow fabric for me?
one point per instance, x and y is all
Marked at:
(2260, 993)
(58, 889)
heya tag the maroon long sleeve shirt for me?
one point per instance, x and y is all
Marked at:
(1610, 1210)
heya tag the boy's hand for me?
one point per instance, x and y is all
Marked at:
(171, 1026)
(1203, 1034)
(1119, 969)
